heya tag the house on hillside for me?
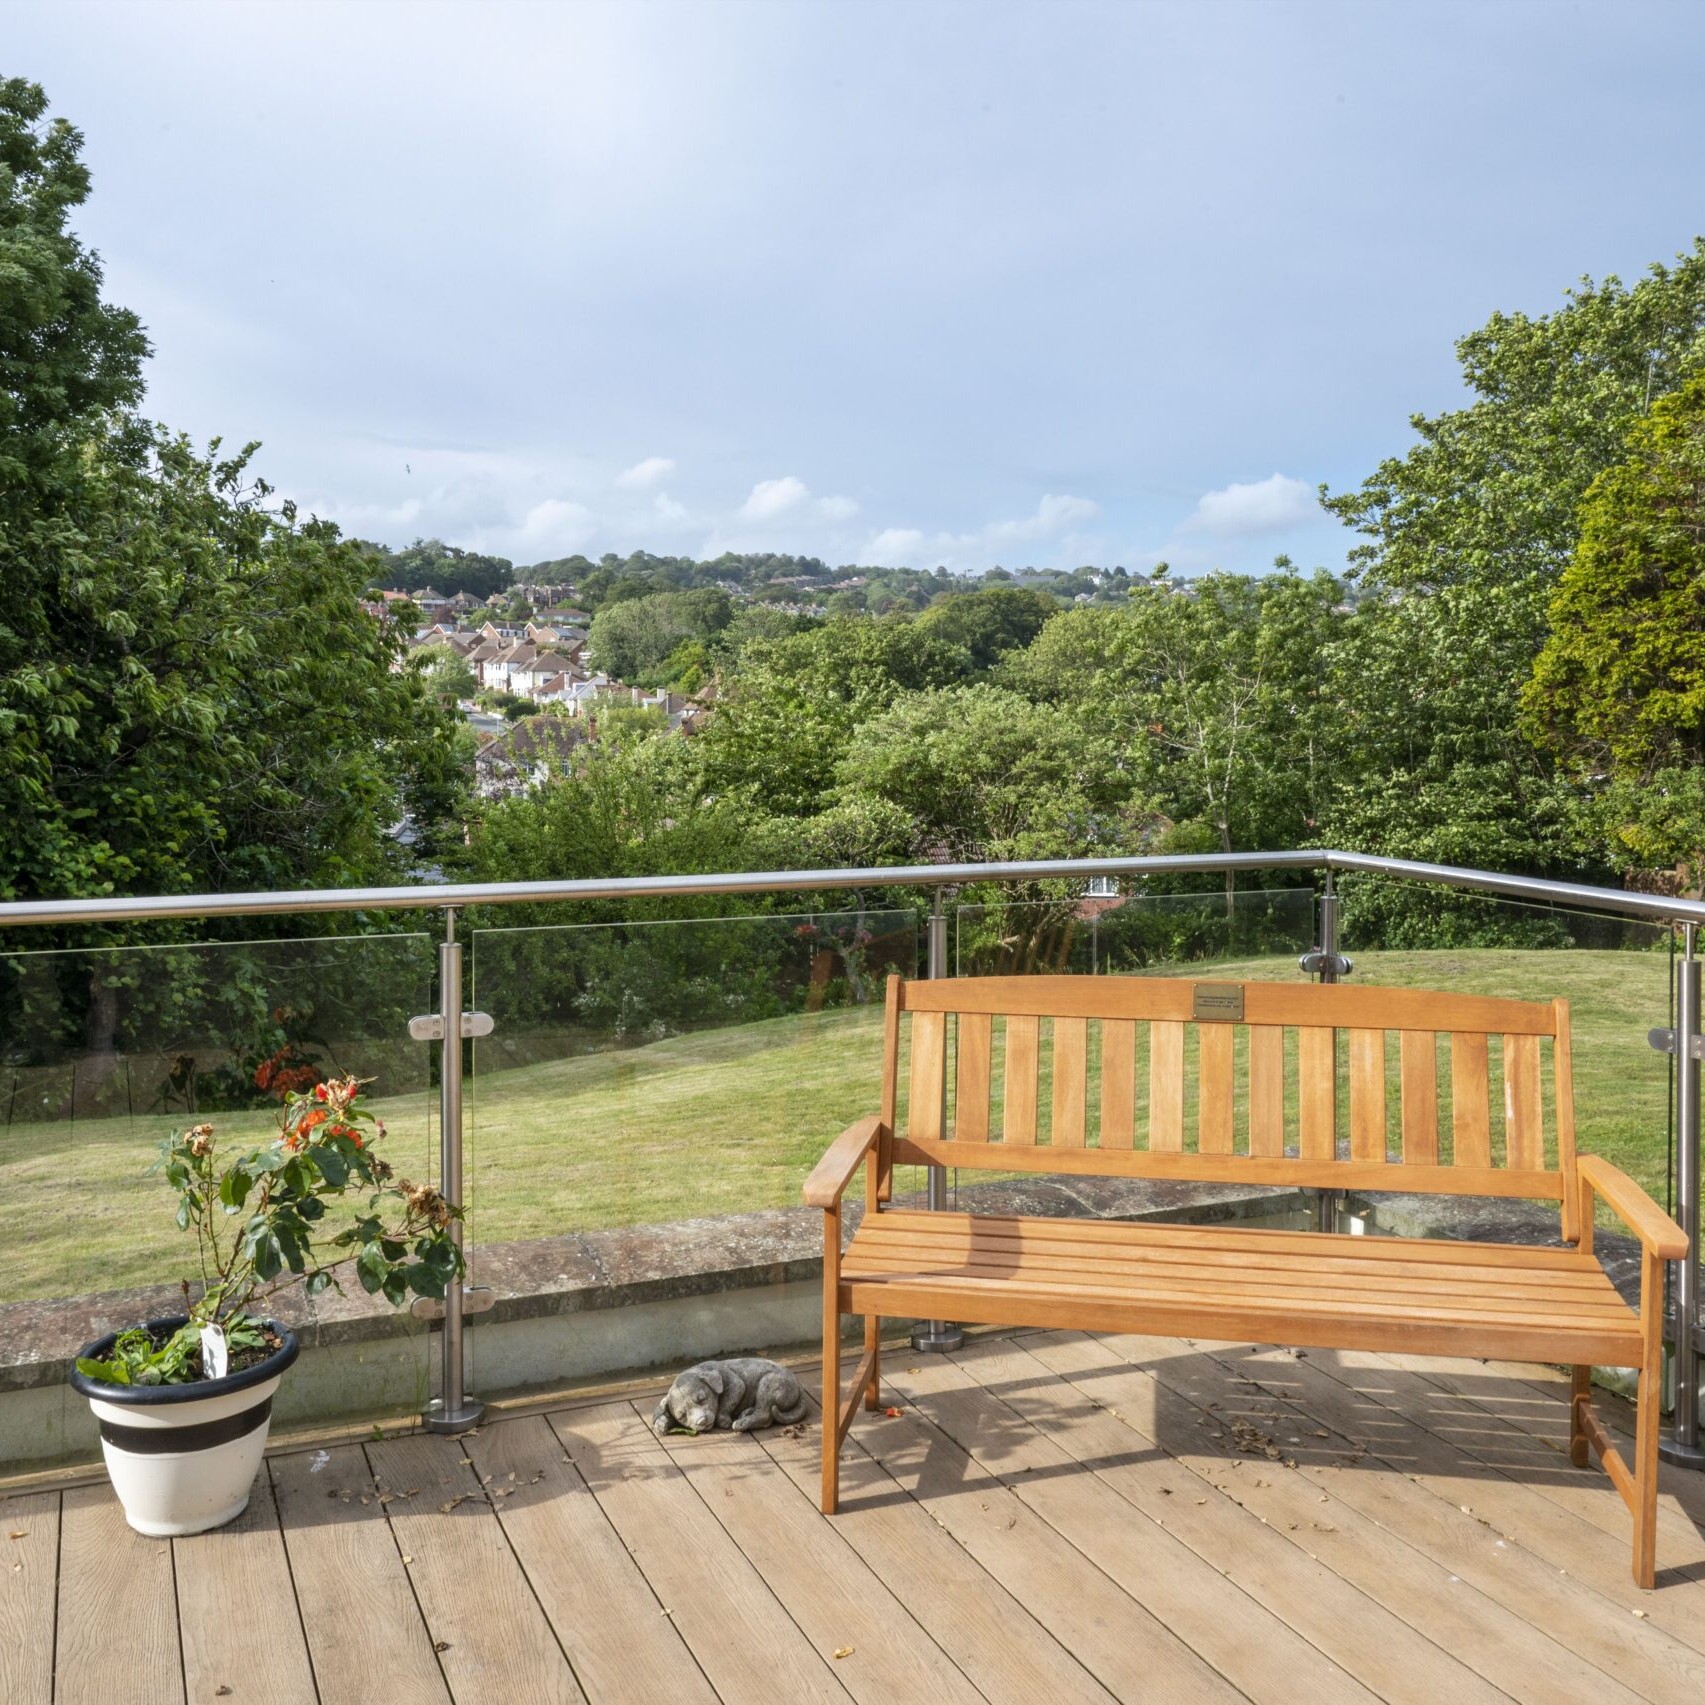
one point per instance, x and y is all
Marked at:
(527, 676)
(527, 754)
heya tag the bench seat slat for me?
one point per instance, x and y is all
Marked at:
(1512, 1293)
(1394, 1293)
(1579, 1273)
(1005, 1304)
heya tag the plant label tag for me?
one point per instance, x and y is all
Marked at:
(215, 1352)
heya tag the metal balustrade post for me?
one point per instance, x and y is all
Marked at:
(1680, 1442)
(453, 1410)
(938, 1334)
(1326, 1202)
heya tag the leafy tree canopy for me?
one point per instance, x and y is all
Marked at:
(1489, 495)
(66, 358)
(631, 639)
(977, 772)
(191, 696)
(991, 623)
(1619, 688)
(445, 568)
(781, 728)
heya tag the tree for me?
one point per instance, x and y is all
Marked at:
(1489, 496)
(1618, 691)
(1220, 701)
(992, 623)
(977, 772)
(445, 568)
(1467, 536)
(632, 638)
(447, 676)
(788, 715)
(66, 358)
(191, 695)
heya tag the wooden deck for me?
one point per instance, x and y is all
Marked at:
(1050, 1517)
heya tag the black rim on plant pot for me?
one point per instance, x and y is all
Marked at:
(193, 1391)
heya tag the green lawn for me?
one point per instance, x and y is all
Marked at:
(723, 1121)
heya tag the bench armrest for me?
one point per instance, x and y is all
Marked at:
(1654, 1228)
(843, 1157)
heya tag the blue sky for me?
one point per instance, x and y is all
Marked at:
(932, 283)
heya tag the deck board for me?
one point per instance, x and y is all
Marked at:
(606, 1616)
(486, 1626)
(109, 1579)
(730, 1617)
(29, 1552)
(1008, 1654)
(1049, 1515)
(342, 1552)
(226, 1575)
(1477, 1525)
(837, 1600)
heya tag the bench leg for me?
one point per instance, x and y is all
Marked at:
(831, 1405)
(873, 1349)
(1645, 1499)
(1580, 1391)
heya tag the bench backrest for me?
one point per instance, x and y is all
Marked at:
(1234, 1082)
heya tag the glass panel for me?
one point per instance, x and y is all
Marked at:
(1242, 935)
(1247, 934)
(1614, 972)
(104, 1052)
(645, 1073)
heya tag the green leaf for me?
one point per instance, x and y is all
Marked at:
(372, 1269)
(234, 1189)
(109, 1373)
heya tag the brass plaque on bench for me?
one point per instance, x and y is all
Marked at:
(1217, 1003)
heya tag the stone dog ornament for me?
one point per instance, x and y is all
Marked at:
(743, 1392)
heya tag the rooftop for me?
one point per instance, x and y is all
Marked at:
(1048, 1516)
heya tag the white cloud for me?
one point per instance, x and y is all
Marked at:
(837, 508)
(895, 547)
(1261, 506)
(556, 527)
(773, 498)
(667, 509)
(1052, 513)
(643, 475)
(1053, 522)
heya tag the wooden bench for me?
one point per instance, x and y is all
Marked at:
(1238, 1083)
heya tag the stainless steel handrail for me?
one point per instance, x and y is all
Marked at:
(432, 896)
(1655, 908)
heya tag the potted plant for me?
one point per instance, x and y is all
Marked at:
(184, 1404)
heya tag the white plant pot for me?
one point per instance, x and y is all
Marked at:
(182, 1458)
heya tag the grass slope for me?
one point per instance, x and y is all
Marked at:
(726, 1120)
